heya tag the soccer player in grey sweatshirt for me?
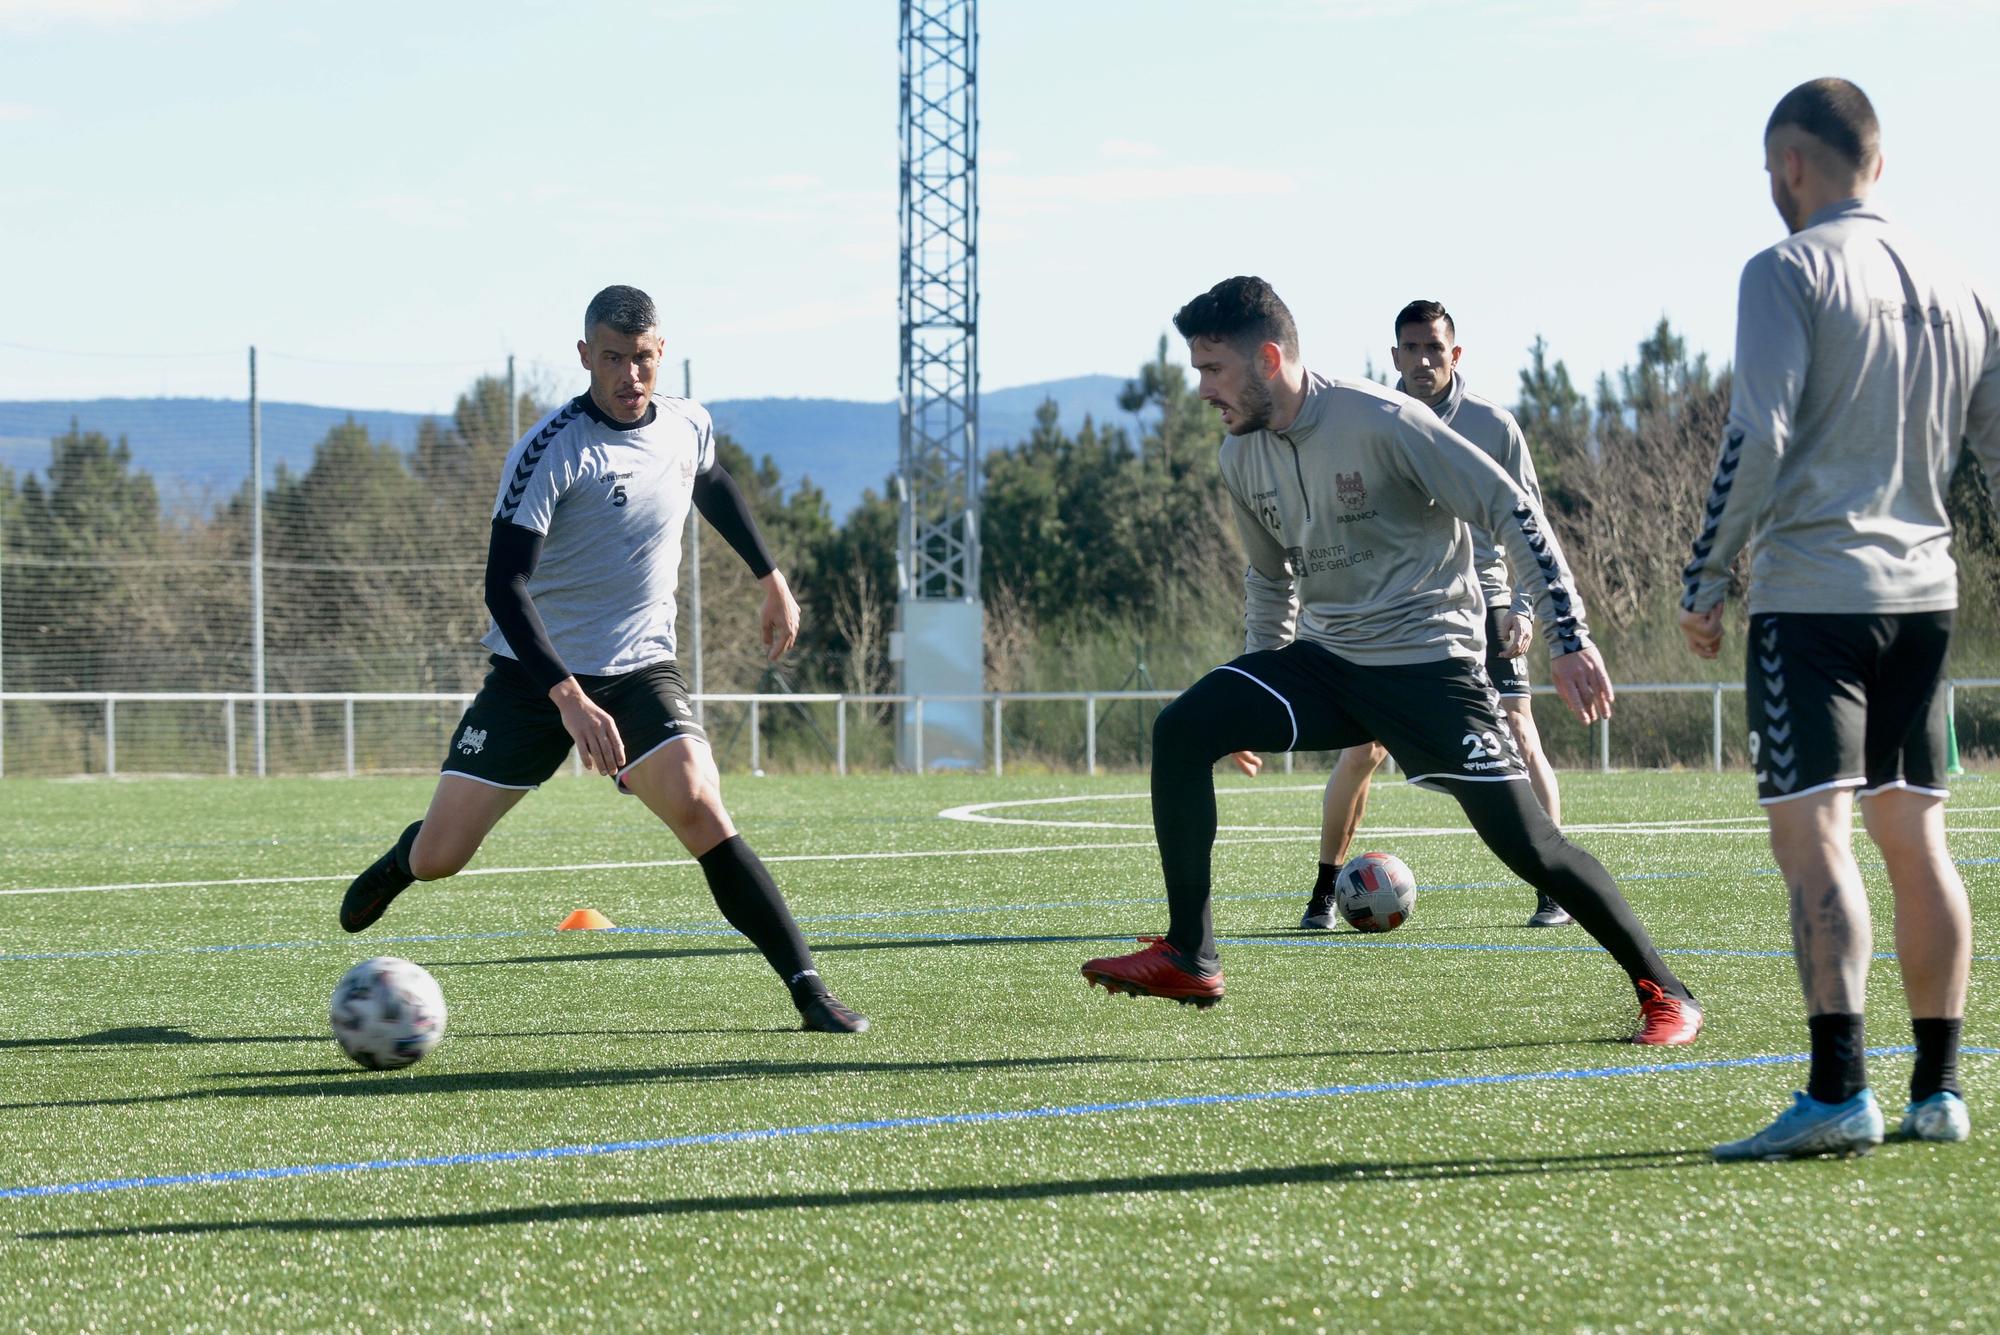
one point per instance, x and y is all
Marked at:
(1863, 366)
(1426, 353)
(1364, 622)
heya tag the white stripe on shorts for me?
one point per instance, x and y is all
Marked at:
(1279, 698)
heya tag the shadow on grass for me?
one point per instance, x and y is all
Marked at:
(1284, 1175)
(149, 1035)
(341, 1081)
(173, 1035)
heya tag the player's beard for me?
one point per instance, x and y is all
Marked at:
(1787, 205)
(1252, 407)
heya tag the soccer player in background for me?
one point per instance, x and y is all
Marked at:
(1362, 618)
(580, 577)
(1862, 365)
(1426, 353)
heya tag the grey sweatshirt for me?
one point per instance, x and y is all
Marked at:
(1493, 429)
(1863, 365)
(1354, 519)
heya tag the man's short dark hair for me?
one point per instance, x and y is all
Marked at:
(1423, 312)
(1241, 311)
(1835, 112)
(623, 310)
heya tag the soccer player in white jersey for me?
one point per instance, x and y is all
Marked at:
(1426, 354)
(1864, 365)
(1362, 622)
(580, 578)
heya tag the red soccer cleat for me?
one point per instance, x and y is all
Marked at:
(1666, 1021)
(1156, 971)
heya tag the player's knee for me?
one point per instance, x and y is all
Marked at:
(1179, 731)
(433, 860)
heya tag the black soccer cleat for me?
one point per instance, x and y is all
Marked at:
(824, 1014)
(371, 893)
(1320, 915)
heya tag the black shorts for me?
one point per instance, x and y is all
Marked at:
(1508, 675)
(512, 734)
(1440, 720)
(1847, 700)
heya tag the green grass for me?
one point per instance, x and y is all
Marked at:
(1582, 1203)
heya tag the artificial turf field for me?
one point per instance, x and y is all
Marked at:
(1433, 1129)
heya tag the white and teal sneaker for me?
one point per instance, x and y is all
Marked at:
(1810, 1127)
(1940, 1117)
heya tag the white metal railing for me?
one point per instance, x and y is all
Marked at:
(228, 702)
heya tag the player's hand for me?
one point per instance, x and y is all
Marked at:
(1583, 683)
(1515, 633)
(780, 616)
(1247, 761)
(593, 731)
(1703, 631)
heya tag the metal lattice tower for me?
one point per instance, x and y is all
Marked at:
(940, 301)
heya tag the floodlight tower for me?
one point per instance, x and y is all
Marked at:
(939, 612)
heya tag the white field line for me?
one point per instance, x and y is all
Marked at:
(1263, 834)
(975, 813)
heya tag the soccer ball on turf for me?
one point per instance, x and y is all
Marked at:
(387, 1012)
(1375, 892)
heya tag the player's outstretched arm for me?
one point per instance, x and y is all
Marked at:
(1583, 683)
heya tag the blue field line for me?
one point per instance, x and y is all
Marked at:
(752, 1134)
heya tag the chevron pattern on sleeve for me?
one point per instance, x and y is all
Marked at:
(1718, 500)
(517, 486)
(1566, 637)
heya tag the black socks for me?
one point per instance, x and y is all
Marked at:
(406, 841)
(1839, 1068)
(1324, 885)
(749, 899)
(1937, 1058)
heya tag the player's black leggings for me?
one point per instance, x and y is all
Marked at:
(1226, 712)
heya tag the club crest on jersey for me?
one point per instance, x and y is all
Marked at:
(472, 740)
(1349, 487)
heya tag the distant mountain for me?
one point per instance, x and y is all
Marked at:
(198, 450)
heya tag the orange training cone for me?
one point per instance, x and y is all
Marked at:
(584, 920)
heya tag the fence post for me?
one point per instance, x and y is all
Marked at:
(756, 741)
(996, 734)
(920, 734)
(840, 737)
(1288, 762)
(1090, 735)
(257, 560)
(347, 732)
(110, 735)
(229, 734)
(1604, 746)
(1717, 715)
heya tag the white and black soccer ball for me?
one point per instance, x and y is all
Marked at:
(387, 1012)
(1375, 892)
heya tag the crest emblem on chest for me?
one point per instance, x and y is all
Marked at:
(1349, 487)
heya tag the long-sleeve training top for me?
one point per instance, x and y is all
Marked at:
(1354, 520)
(1493, 429)
(1863, 366)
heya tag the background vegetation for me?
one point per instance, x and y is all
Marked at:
(1109, 560)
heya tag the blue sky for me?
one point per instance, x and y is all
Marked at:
(389, 198)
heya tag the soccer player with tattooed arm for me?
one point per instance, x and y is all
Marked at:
(1864, 366)
(1364, 622)
(581, 570)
